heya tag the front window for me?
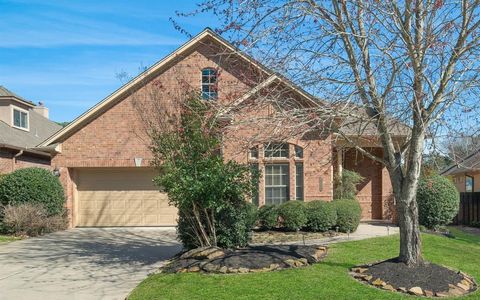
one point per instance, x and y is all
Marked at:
(20, 119)
(276, 183)
(254, 153)
(469, 184)
(298, 152)
(299, 181)
(209, 84)
(276, 150)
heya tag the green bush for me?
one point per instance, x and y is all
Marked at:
(235, 224)
(293, 215)
(438, 201)
(321, 215)
(35, 186)
(346, 187)
(268, 217)
(349, 214)
(251, 216)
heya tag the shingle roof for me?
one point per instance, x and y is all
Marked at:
(40, 129)
(468, 164)
(4, 92)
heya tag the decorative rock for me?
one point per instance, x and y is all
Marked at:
(359, 270)
(290, 262)
(243, 270)
(209, 267)
(467, 281)
(194, 269)
(441, 295)
(378, 282)
(428, 293)
(463, 286)
(455, 292)
(232, 270)
(274, 266)
(223, 269)
(203, 253)
(388, 287)
(322, 248)
(402, 289)
(304, 261)
(368, 277)
(416, 290)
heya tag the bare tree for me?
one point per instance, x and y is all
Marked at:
(377, 64)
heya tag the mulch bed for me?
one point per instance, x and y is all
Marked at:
(246, 260)
(426, 279)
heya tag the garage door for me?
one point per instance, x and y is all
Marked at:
(121, 197)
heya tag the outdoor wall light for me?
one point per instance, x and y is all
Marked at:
(56, 172)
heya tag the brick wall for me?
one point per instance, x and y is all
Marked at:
(24, 161)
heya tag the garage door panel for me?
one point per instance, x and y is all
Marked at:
(121, 197)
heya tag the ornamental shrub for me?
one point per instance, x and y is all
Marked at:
(268, 217)
(209, 193)
(346, 187)
(438, 201)
(35, 186)
(292, 214)
(349, 214)
(321, 215)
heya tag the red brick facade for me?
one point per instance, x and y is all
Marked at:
(9, 164)
(116, 136)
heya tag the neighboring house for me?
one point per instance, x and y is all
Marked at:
(23, 125)
(104, 159)
(466, 173)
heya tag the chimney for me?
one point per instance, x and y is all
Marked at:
(41, 109)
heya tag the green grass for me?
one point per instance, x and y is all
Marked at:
(326, 280)
(8, 238)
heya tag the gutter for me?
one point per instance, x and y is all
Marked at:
(14, 159)
(25, 150)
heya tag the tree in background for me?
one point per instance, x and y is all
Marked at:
(386, 66)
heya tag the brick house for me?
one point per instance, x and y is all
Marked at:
(23, 125)
(466, 173)
(104, 160)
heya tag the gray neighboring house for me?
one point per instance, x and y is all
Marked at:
(23, 126)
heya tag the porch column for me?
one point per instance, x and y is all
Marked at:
(339, 163)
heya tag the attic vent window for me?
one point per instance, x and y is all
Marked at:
(209, 84)
(20, 118)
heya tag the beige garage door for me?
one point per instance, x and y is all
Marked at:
(121, 197)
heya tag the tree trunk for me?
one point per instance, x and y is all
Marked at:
(410, 242)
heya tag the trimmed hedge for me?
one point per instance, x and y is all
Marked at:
(33, 185)
(268, 217)
(293, 214)
(321, 215)
(438, 201)
(349, 214)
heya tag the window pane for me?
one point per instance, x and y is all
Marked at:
(469, 184)
(299, 181)
(276, 183)
(276, 150)
(254, 152)
(209, 79)
(298, 151)
(16, 118)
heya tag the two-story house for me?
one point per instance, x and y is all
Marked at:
(23, 126)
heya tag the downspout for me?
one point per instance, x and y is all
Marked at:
(14, 159)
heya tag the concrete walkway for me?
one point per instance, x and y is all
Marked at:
(77, 264)
(365, 230)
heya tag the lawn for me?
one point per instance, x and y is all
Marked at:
(326, 280)
(8, 238)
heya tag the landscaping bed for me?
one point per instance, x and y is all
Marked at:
(426, 279)
(246, 260)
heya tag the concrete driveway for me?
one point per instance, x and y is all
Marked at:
(87, 263)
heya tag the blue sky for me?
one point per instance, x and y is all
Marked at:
(68, 53)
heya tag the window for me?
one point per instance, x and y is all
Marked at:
(254, 153)
(20, 118)
(276, 183)
(276, 150)
(254, 170)
(469, 184)
(209, 84)
(299, 181)
(298, 152)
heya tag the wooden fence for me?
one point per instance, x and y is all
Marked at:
(469, 209)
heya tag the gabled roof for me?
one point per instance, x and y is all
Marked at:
(7, 94)
(157, 68)
(470, 163)
(40, 129)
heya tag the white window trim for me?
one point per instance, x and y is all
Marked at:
(210, 84)
(14, 108)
